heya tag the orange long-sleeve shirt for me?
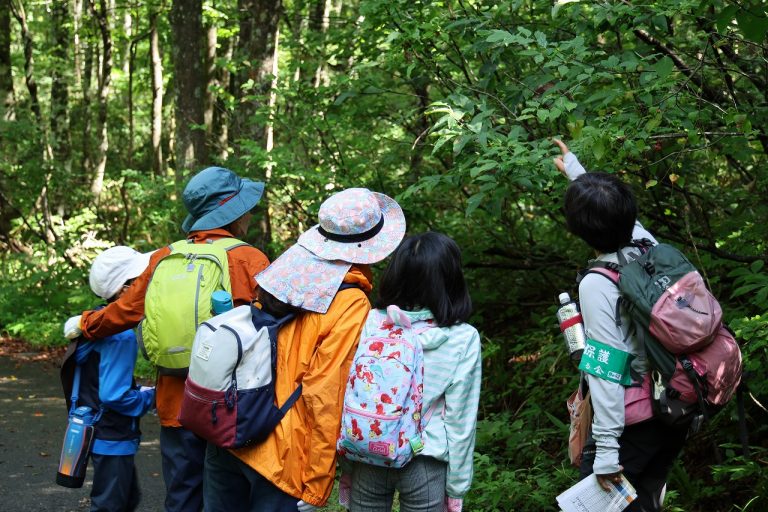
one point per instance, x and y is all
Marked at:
(315, 350)
(245, 262)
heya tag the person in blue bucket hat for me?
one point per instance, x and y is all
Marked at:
(216, 197)
(219, 204)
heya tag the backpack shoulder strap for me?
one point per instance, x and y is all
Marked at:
(263, 319)
(230, 243)
(642, 243)
(609, 271)
(606, 269)
(227, 244)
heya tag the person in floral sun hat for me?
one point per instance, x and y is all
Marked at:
(325, 280)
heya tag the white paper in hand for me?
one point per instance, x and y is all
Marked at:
(588, 496)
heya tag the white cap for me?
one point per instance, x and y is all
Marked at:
(113, 267)
(563, 298)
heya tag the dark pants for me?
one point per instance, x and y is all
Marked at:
(115, 484)
(647, 451)
(231, 485)
(183, 456)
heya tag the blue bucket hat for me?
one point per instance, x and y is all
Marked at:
(216, 197)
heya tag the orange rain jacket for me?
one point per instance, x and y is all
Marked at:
(315, 350)
(127, 311)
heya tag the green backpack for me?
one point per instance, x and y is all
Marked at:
(178, 300)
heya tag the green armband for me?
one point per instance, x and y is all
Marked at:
(606, 362)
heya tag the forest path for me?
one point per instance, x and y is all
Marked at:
(32, 423)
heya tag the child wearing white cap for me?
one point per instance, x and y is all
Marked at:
(107, 386)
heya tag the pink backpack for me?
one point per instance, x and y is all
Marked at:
(382, 421)
(696, 361)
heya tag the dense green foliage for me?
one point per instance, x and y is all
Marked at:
(448, 106)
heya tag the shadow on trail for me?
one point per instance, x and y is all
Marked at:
(33, 418)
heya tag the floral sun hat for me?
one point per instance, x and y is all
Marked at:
(301, 279)
(356, 226)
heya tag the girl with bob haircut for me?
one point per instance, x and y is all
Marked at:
(425, 273)
(425, 280)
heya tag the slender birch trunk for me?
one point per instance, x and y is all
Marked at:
(101, 16)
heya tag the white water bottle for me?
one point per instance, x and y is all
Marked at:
(572, 326)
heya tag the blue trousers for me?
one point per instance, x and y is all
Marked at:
(183, 456)
(231, 485)
(115, 484)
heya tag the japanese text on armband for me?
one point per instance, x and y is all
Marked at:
(606, 362)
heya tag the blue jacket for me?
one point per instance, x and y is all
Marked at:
(106, 382)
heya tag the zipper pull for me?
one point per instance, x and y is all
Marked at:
(191, 264)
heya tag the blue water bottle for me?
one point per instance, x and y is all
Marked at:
(76, 449)
(221, 301)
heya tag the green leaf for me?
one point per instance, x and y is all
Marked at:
(598, 149)
(660, 22)
(559, 3)
(753, 27)
(651, 183)
(653, 123)
(344, 96)
(392, 36)
(500, 36)
(664, 67)
(756, 266)
(475, 171)
(459, 143)
(556, 421)
(725, 17)
(474, 202)
(761, 295)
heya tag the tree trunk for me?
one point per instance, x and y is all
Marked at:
(220, 134)
(101, 17)
(29, 62)
(77, 17)
(128, 33)
(42, 200)
(189, 84)
(7, 107)
(210, 79)
(86, 108)
(158, 166)
(320, 22)
(265, 222)
(60, 134)
(257, 45)
(7, 214)
(258, 28)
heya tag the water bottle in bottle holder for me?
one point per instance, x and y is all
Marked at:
(77, 448)
(572, 326)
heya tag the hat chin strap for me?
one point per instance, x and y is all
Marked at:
(355, 237)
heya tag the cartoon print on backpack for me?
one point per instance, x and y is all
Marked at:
(384, 393)
(421, 360)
